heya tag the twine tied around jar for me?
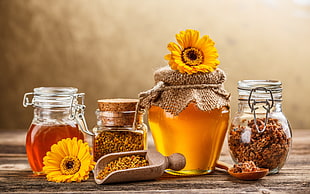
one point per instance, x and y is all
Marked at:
(173, 91)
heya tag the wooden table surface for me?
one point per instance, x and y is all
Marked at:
(16, 175)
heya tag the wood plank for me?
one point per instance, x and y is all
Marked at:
(16, 176)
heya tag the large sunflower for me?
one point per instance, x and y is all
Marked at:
(69, 160)
(193, 54)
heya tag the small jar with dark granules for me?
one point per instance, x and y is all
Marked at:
(119, 128)
(259, 131)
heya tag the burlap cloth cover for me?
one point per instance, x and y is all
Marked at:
(173, 91)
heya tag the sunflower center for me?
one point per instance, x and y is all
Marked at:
(70, 165)
(192, 56)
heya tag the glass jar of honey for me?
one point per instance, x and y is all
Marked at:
(188, 114)
(119, 127)
(259, 131)
(56, 111)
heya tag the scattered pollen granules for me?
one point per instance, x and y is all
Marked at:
(247, 166)
(122, 163)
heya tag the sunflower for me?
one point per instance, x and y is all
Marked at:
(69, 160)
(193, 54)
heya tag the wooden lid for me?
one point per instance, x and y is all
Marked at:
(117, 104)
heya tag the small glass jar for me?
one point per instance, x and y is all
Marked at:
(117, 130)
(55, 111)
(259, 131)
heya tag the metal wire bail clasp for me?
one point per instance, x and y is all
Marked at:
(267, 106)
(77, 112)
(26, 101)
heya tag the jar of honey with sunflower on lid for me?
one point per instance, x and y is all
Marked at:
(188, 108)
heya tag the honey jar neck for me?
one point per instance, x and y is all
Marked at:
(52, 115)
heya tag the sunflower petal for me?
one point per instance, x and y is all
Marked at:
(174, 47)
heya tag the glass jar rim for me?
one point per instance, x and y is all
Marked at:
(273, 85)
(55, 91)
(53, 97)
(260, 90)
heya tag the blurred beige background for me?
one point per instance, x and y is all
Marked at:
(109, 48)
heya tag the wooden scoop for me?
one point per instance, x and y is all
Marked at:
(157, 164)
(259, 173)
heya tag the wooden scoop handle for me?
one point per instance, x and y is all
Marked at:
(176, 161)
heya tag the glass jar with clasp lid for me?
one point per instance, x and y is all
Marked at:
(58, 114)
(259, 131)
(119, 127)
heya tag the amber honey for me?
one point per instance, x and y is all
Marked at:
(40, 138)
(197, 134)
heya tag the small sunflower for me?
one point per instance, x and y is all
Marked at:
(193, 54)
(69, 160)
